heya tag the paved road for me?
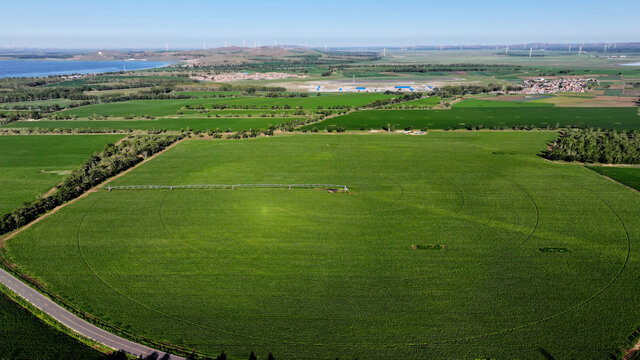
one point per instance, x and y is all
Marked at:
(75, 323)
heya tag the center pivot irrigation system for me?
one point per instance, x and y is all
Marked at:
(232, 187)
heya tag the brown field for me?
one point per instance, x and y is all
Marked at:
(598, 101)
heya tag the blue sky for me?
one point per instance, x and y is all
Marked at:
(187, 23)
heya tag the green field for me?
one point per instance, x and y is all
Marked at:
(626, 175)
(30, 165)
(515, 257)
(171, 107)
(158, 124)
(428, 102)
(477, 103)
(617, 118)
(37, 103)
(23, 336)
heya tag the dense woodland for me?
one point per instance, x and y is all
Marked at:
(596, 146)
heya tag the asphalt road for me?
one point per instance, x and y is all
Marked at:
(75, 323)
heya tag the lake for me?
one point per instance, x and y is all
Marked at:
(632, 64)
(35, 68)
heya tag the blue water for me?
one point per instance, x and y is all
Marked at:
(34, 68)
(632, 64)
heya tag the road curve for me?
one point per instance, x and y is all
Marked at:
(75, 323)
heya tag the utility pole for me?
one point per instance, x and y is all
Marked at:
(506, 51)
(580, 51)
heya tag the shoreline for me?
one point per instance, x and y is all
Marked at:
(111, 68)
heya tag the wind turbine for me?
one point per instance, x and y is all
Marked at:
(530, 51)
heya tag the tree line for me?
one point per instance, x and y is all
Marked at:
(423, 68)
(112, 160)
(596, 146)
(457, 90)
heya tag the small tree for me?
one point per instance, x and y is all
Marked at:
(252, 356)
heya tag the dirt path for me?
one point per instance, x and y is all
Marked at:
(6, 237)
(631, 352)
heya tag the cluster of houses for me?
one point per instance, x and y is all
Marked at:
(544, 86)
(247, 76)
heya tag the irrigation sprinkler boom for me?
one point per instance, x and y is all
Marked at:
(225, 186)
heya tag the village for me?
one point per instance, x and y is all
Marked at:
(247, 76)
(544, 86)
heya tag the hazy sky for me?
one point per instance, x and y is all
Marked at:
(187, 23)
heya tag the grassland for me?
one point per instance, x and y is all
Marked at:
(30, 165)
(312, 274)
(616, 118)
(26, 337)
(629, 176)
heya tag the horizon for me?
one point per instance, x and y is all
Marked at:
(151, 25)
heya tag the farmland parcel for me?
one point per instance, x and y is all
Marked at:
(451, 245)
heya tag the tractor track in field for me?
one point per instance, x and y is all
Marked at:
(561, 313)
(512, 249)
(129, 298)
(7, 237)
(59, 313)
(169, 316)
(166, 229)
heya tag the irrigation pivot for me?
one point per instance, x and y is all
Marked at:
(230, 186)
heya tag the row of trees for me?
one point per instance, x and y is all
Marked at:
(596, 146)
(423, 68)
(112, 160)
(391, 101)
(122, 355)
(457, 90)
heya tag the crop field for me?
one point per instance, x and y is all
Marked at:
(428, 102)
(481, 103)
(37, 103)
(158, 124)
(446, 246)
(30, 165)
(629, 176)
(26, 337)
(171, 107)
(616, 118)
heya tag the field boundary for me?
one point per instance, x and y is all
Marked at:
(612, 179)
(29, 287)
